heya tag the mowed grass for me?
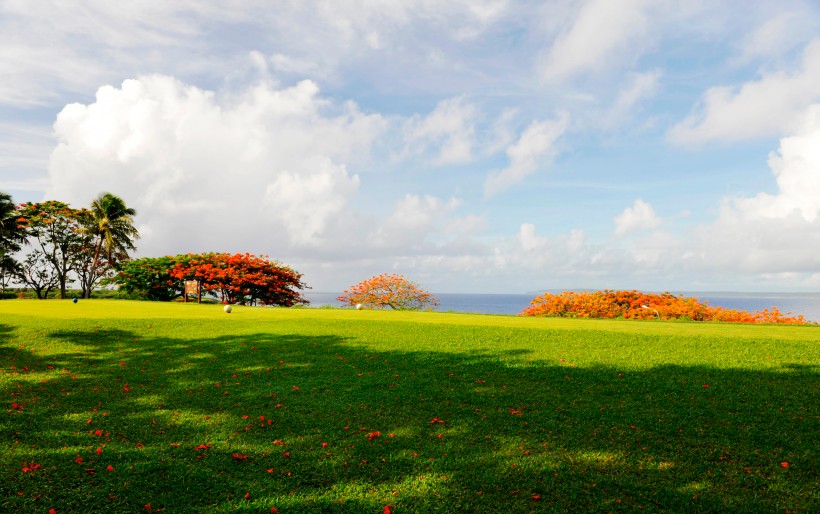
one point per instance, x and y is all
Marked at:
(115, 406)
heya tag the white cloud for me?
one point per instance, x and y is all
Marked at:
(413, 219)
(771, 233)
(640, 216)
(267, 166)
(779, 33)
(307, 199)
(536, 147)
(640, 87)
(796, 169)
(448, 132)
(765, 107)
(602, 33)
(529, 240)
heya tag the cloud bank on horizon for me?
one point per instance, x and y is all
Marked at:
(475, 146)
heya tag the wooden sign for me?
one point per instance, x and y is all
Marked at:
(193, 288)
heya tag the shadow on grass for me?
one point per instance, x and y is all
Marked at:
(313, 423)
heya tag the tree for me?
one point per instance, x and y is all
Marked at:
(37, 272)
(12, 237)
(109, 233)
(242, 278)
(9, 270)
(148, 278)
(56, 228)
(388, 290)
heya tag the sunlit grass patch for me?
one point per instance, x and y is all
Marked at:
(340, 410)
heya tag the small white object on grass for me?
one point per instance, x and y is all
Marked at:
(358, 306)
(227, 308)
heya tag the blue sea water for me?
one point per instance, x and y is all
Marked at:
(807, 304)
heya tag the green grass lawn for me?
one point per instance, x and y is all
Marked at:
(116, 406)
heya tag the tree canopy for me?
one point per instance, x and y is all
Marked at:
(388, 291)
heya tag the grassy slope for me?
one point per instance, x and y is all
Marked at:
(575, 415)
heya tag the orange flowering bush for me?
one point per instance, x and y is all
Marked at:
(388, 290)
(638, 305)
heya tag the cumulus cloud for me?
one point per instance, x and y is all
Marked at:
(266, 166)
(796, 169)
(536, 147)
(772, 233)
(640, 216)
(767, 106)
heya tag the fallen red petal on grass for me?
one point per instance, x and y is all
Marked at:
(784, 464)
(706, 386)
(110, 468)
(373, 435)
(387, 509)
(31, 466)
(240, 456)
(436, 421)
(52, 511)
(247, 496)
(324, 445)
(78, 460)
(202, 447)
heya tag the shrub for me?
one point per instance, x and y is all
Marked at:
(638, 305)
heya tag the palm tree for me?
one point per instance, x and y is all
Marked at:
(112, 232)
(11, 238)
(10, 235)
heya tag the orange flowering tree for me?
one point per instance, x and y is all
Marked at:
(388, 291)
(242, 278)
(639, 305)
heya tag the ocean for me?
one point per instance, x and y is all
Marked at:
(807, 304)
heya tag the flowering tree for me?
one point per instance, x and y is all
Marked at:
(388, 290)
(242, 278)
(55, 228)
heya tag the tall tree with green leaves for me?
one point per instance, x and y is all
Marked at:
(55, 229)
(12, 237)
(109, 234)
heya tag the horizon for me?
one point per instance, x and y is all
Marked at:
(481, 145)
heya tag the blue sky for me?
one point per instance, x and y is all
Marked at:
(474, 146)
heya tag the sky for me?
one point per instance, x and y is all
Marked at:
(474, 146)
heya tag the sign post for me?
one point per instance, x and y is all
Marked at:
(192, 287)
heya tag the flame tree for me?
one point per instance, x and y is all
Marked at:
(388, 291)
(239, 278)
